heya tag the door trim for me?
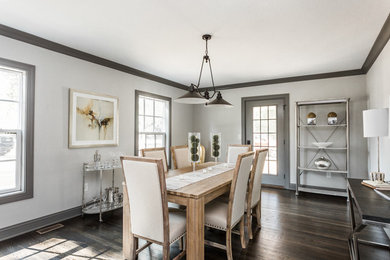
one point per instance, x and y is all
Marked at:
(286, 98)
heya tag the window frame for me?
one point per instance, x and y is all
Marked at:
(169, 133)
(28, 132)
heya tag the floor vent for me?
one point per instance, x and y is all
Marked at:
(49, 229)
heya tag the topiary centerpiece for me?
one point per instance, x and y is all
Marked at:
(215, 140)
(194, 148)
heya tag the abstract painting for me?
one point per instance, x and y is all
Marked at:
(93, 119)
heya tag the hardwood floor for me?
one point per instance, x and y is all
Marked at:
(305, 227)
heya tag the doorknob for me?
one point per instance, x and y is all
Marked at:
(248, 141)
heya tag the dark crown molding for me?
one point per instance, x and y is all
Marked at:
(53, 46)
(376, 49)
(379, 44)
(289, 79)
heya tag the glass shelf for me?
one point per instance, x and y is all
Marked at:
(327, 148)
(106, 206)
(107, 165)
(318, 170)
(339, 125)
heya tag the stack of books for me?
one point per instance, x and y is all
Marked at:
(382, 188)
(378, 185)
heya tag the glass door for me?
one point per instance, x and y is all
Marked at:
(265, 129)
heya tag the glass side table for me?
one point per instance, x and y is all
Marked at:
(99, 205)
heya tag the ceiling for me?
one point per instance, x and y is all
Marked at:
(252, 39)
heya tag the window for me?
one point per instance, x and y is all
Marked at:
(153, 121)
(265, 135)
(16, 130)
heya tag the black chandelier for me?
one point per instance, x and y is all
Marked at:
(197, 96)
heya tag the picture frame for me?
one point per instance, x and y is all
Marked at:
(93, 119)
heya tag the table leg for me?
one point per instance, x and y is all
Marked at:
(101, 196)
(195, 229)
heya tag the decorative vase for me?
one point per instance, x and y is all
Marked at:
(322, 163)
(194, 148)
(311, 119)
(332, 118)
(215, 141)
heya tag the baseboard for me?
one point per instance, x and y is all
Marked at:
(34, 224)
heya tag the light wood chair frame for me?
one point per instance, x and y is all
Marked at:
(257, 207)
(157, 149)
(237, 145)
(130, 241)
(229, 227)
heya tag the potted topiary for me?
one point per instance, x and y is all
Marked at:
(194, 148)
(215, 140)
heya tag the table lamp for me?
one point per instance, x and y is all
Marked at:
(376, 124)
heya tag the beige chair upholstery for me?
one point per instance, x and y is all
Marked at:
(254, 190)
(234, 150)
(157, 153)
(224, 215)
(146, 208)
(180, 156)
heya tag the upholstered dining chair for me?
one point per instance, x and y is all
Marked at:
(145, 209)
(180, 156)
(254, 190)
(223, 215)
(235, 149)
(158, 153)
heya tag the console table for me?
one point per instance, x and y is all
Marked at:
(372, 209)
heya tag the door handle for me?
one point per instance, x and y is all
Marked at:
(248, 141)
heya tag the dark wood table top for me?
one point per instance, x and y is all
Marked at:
(371, 205)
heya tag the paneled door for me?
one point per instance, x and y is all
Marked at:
(265, 129)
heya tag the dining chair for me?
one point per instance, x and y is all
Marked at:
(235, 149)
(145, 209)
(158, 153)
(180, 156)
(223, 215)
(254, 190)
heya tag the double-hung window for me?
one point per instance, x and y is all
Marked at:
(16, 130)
(152, 121)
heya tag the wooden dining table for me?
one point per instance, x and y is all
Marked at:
(194, 196)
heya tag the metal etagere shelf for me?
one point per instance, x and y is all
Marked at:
(305, 151)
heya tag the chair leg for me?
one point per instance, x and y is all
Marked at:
(166, 252)
(242, 232)
(135, 247)
(249, 223)
(258, 214)
(229, 244)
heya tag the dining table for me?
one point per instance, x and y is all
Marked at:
(194, 196)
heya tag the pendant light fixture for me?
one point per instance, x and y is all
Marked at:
(197, 96)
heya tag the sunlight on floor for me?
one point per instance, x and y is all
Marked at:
(62, 249)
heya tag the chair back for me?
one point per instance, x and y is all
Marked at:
(235, 149)
(239, 187)
(180, 156)
(147, 197)
(157, 153)
(256, 174)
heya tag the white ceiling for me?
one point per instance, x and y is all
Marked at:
(252, 39)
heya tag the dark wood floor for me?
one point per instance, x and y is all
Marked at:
(305, 227)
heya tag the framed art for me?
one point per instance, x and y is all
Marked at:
(93, 119)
